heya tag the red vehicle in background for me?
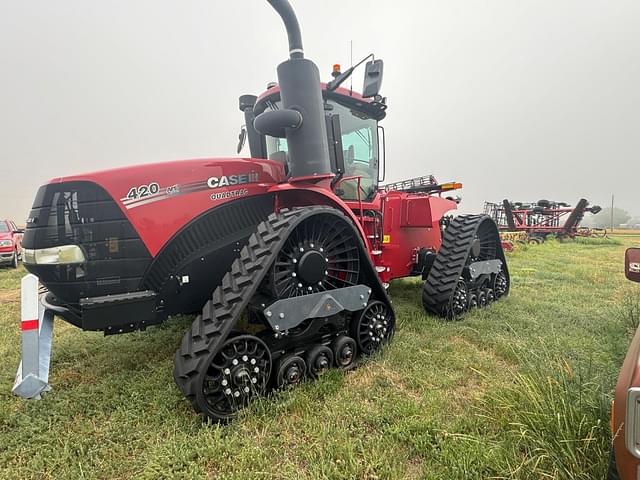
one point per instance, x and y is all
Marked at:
(624, 462)
(10, 243)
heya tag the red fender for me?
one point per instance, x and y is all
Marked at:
(302, 194)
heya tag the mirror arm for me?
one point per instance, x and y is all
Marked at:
(339, 80)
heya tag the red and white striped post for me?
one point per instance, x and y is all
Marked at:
(36, 327)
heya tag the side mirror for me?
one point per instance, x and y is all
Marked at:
(372, 78)
(242, 137)
(632, 264)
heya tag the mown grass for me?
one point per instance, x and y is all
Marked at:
(519, 390)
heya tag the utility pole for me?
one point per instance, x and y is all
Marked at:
(612, 211)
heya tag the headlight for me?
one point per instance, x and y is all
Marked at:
(6, 243)
(63, 255)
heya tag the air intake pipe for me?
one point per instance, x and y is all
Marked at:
(301, 119)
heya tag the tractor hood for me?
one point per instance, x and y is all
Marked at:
(101, 232)
(159, 198)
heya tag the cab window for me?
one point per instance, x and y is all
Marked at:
(360, 150)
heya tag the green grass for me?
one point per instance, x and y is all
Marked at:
(519, 390)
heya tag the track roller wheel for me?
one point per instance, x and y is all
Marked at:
(237, 374)
(319, 360)
(491, 297)
(459, 302)
(344, 352)
(374, 326)
(473, 301)
(482, 298)
(291, 371)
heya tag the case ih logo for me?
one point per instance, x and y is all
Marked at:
(152, 192)
(231, 180)
(634, 267)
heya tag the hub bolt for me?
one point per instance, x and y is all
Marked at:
(227, 391)
(245, 358)
(224, 383)
(256, 370)
(254, 380)
(246, 389)
(253, 361)
(227, 371)
(234, 361)
(236, 394)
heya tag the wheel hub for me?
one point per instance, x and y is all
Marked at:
(293, 374)
(346, 354)
(311, 267)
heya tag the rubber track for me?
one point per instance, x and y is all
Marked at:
(451, 259)
(219, 315)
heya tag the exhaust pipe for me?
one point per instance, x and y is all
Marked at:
(302, 122)
(285, 10)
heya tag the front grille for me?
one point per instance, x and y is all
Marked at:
(84, 214)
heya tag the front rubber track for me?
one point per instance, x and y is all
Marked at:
(220, 314)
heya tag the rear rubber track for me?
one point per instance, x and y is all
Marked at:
(451, 260)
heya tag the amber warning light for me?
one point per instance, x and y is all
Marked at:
(450, 186)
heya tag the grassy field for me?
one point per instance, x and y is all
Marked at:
(519, 390)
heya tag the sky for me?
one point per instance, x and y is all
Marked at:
(523, 99)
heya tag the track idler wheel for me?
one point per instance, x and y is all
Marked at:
(319, 360)
(374, 326)
(237, 374)
(500, 285)
(291, 371)
(344, 352)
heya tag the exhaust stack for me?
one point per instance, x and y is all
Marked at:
(301, 120)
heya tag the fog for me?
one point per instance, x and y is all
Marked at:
(516, 99)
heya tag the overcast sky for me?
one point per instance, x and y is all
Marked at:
(517, 99)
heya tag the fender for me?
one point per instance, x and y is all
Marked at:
(301, 194)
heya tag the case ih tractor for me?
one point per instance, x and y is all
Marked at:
(287, 255)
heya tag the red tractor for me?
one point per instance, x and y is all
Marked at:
(287, 255)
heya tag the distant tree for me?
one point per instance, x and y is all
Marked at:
(603, 219)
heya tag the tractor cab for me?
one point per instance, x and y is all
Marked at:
(356, 152)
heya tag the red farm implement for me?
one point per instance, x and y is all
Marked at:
(544, 218)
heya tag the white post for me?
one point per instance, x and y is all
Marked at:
(37, 330)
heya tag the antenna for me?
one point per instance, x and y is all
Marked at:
(351, 60)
